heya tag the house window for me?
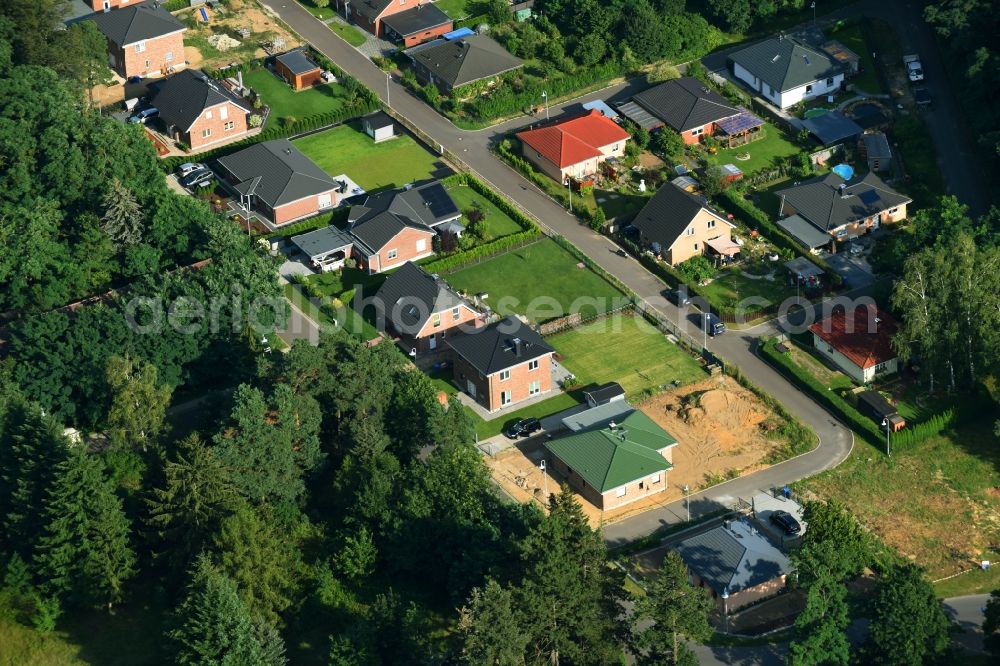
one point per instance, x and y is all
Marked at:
(696, 246)
(829, 82)
(229, 125)
(208, 115)
(207, 132)
(140, 47)
(455, 314)
(505, 398)
(696, 132)
(655, 478)
(533, 365)
(617, 146)
(881, 367)
(504, 375)
(224, 112)
(421, 245)
(534, 388)
(711, 224)
(391, 254)
(168, 56)
(893, 211)
(689, 231)
(620, 492)
(147, 64)
(809, 89)
(436, 320)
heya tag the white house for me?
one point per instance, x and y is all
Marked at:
(858, 342)
(786, 71)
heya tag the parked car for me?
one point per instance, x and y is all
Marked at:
(678, 296)
(144, 115)
(914, 70)
(190, 167)
(199, 178)
(786, 522)
(712, 324)
(523, 428)
(922, 96)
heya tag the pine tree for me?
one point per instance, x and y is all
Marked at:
(671, 613)
(214, 625)
(272, 646)
(492, 630)
(122, 219)
(84, 553)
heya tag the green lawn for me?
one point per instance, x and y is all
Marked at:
(542, 281)
(557, 403)
(373, 166)
(853, 38)
(287, 103)
(625, 349)
(731, 286)
(497, 222)
(348, 33)
(776, 146)
(463, 9)
(348, 318)
(935, 503)
(319, 12)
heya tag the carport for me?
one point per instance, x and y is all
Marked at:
(852, 271)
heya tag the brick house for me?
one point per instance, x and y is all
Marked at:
(737, 564)
(416, 17)
(416, 25)
(107, 5)
(502, 364)
(421, 309)
(844, 209)
(199, 112)
(616, 460)
(574, 148)
(275, 180)
(297, 69)
(143, 39)
(677, 226)
(690, 108)
(858, 342)
(452, 63)
(394, 227)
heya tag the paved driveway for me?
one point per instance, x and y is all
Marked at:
(851, 269)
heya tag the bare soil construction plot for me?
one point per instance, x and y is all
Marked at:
(237, 15)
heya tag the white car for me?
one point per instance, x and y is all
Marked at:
(189, 167)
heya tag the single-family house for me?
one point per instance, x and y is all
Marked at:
(502, 364)
(143, 39)
(574, 148)
(199, 111)
(617, 461)
(874, 405)
(421, 309)
(108, 5)
(736, 563)
(297, 69)
(453, 63)
(327, 248)
(858, 341)
(378, 125)
(844, 209)
(692, 109)
(877, 151)
(787, 71)
(603, 394)
(677, 225)
(418, 19)
(274, 179)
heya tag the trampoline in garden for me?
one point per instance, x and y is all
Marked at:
(815, 113)
(845, 171)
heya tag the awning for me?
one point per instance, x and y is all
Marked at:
(727, 247)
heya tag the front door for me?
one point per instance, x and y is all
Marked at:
(107, 5)
(433, 342)
(470, 388)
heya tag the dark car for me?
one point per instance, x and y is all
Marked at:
(786, 522)
(523, 428)
(678, 297)
(922, 96)
(199, 178)
(712, 324)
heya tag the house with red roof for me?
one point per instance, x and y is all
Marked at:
(858, 341)
(575, 147)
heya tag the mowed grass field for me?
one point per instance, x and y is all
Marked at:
(542, 281)
(497, 222)
(775, 147)
(287, 103)
(937, 503)
(626, 349)
(374, 166)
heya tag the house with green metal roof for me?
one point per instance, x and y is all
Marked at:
(616, 462)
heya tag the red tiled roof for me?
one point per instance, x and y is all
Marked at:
(575, 140)
(849, 333)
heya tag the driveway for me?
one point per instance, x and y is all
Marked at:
(852, 269)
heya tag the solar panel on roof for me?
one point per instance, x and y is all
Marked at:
(868, 197)
(740, 123)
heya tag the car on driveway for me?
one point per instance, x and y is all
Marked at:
(144, 115)
(678, 296)
(189, 167)
(786, 522)
(523, 428)
(922, 97)
(199, 178)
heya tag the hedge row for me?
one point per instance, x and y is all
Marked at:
(501, 245)
(933, 426)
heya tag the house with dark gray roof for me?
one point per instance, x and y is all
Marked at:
(274, 179)
(688, 106)
(327, 248)
(199, 111)
(409, 21)
(736, 563)
(397, 226)
(787, 71)
(676, 225)
(844, 209)
(143, 39)
(502, 364)
(451, 64)
(421, 309)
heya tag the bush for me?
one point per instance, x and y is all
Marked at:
(697, 269)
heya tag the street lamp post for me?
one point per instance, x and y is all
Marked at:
(569, 189)
(725, 610)
(545, 96)
(687, 501)
(813, 5)
(885, 424)
(387, 90)
(545, 481)
(704, 330)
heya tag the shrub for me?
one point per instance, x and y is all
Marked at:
(697, 269)
(598, 219)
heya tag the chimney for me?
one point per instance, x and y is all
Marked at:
(518, 347)
(612, 425)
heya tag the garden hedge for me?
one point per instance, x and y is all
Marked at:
(502, 245)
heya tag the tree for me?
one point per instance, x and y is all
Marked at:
(834, 533)
(736, 15)
(138, 405)
(432, 94)
(213, 624)
(643, 31)
(498, 11)
(122, 219)
(598, 219)
(84, 555)
(671, 613)
(491, 628)
(83, 55)
(35, 23)
(591, 49)
(356, 558)
(909, 626)
(668, 143)
(714, 182)
(696, 269)
(820, 629)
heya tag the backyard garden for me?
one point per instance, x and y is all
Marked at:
(777, 147)
(288, 105)
(374, 166)
(496, 223)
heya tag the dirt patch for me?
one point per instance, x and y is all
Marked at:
(242, 21)
(648, 160)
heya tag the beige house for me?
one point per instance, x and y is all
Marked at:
(736, 563)
(676, 225)
(574, 148)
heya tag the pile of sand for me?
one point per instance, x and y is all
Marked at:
(223, 42)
